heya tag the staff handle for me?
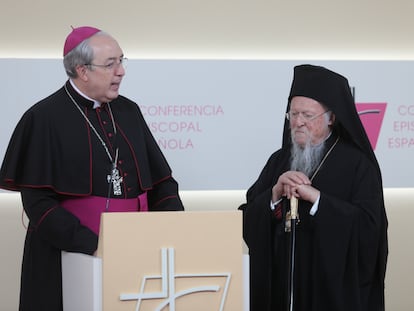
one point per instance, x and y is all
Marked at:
(294, 208)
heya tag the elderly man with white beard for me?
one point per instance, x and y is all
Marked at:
(328, 164)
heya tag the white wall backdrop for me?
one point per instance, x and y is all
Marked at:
(217, 121)
(242, 29)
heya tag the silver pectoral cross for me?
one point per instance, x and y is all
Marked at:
(116, 181)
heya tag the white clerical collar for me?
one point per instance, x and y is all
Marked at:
(96, 104)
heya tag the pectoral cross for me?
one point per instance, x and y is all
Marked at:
(116, 181)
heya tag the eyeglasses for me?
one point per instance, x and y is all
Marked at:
(306, 116)
(113, 64)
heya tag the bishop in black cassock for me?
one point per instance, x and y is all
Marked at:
(56, 155)
(341, 250)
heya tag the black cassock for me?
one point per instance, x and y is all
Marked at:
(341, 251)
(54, 155)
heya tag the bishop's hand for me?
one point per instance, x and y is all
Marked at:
(288, 183)
(306, 193)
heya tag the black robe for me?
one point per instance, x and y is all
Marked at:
(54, 155)
(341, 251)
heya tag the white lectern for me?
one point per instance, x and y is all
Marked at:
(160, 261)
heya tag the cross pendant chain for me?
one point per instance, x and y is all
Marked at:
(114, 177)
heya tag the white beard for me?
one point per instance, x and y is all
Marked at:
(306, 159)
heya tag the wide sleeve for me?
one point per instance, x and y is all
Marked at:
(257, 215)
(54, 224)
(258, 225)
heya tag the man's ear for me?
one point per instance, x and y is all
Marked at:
(82, 72)
(331, 119)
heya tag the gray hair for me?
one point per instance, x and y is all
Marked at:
(79, 56)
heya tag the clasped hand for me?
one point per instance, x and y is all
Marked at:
(297, 184)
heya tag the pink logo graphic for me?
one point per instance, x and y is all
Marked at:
(371, 115)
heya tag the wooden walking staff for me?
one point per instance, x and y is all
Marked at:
(294, 219)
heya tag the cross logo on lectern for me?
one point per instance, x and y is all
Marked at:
(168, 292)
